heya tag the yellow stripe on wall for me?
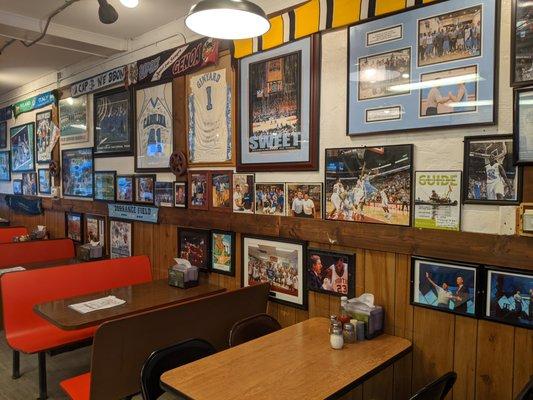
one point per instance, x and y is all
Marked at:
(274, 37)
(387, 6)
(243, 47)
(346, 12)
(307, 18)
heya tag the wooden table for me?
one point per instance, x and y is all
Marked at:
(46, 264)
(142, 297)
(294, 363)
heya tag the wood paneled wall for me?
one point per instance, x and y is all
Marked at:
(493, 361)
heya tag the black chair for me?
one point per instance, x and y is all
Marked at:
(252, 328)
(169, 358)
(527, 392)
(437, 390)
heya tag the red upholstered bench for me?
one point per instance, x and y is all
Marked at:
(34, 252)
(7, 234)
(28, 333)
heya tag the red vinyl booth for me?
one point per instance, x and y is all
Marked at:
(7, 234)
(34, 252)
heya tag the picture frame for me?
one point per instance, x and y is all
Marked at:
(180, 195)
(74, 226)
(221, 191)
(43, 137)
(522, 126)
(291, 73)
(95, 230)
(77, 172)
(105, 185)
(198, 190)
(73, 120)
(17, 186)
(489, 185)
(503, 289)
(374, 194)
(164, 194)
(45, 181)
(270, 198)
(125, 188)
(22, 142)
(120, 238)
(333, 281)
(244, 193)
(154, 134)
(223, 252)
(521, 44)
(5, 166)
(113, 123)
(194, 245)
(305, 200)
(447, 286)
(437, 200)
(3, 134)
(145, 189)
(29, 184)
(400, 78)
(263, 253)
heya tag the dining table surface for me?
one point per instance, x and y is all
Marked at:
(138, 298)
(45, 264)
(294, 362)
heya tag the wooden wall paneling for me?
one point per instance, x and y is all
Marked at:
(523, 359)
(494, 371)
(179, 105)
(55, 223)
(272, 309)
(359, 272)
(143, 243)
(286, 315)
(379, 386)
(165, 248)
(464, 362)
(527, 196)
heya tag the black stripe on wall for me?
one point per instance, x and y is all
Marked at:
(329, 14)
(371, 8)
(292, 24)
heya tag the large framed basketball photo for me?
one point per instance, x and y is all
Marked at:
(22, 140)
(278, 110)
(490, 176)
(521, 43)
(369, 184)
(427, 67)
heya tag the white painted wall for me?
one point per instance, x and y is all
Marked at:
(441, 149)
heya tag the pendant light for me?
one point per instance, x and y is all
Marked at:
(227, 19)
(106, 12)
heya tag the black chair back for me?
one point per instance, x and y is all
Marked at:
(438, 389)
(252, 328)
(169, 358)
(527, 392)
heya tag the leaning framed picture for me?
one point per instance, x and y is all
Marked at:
(113, 127)
(521, 43)
(279, 108)
(223, 252)
(446, 286)
(77, 172)
(198, 190)
(22, 139)
(220, 190)
(490, 175)
(180, 195)
(243, 193)
(125, 188)
(29, 183)
(305, 200)
(428, 67)
(44, 180)
(95, 229)
(145, 189)
(369, 184)
(331, 272)
(154, 133)
(120, 239)
(5, 168)
(43, 141)
(3, 134)
(523, 126)
(509, 296)
(164, 194)
(279, 262)
(17, 186)
(73, 120)
(194, 245)
(74, 227)
(104, 185)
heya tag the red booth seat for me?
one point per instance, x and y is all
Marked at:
(37, 251)
(7, 234)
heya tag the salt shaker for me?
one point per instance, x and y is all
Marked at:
(349, 333)
(335, 338)
(332, 320)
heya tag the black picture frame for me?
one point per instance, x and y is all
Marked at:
(32, 191)
(351, 267)
(48, 116)
(185, 187)
(31, 146)
(43, 171)
(68, 234)
(514, 45)
(231, 271)
(131, 228)
(129, 199)
(138, 191)
(3, 134)
(66, 155)
(447, 263)
(204, 234)
(466, 175)
(516, 125)
(127, 95)
(100, 219)
(17, 187)
(6, 156)
(168, 188)
(113, 175)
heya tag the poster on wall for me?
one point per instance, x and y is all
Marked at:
(44, 142)
(194, 245)
(223, 252)
(523, 126)
(29, 183)
(73, 120)
(438, 200)
(428, 67)
(121, 237)
(522, 43)
(95, 229)
(154, 138)
(331, 272)
(74, 226)
(22, 139)
(5, 172)
(45, 181)
(77, 167)
(3, 134)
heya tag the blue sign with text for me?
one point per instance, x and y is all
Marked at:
(133, 212)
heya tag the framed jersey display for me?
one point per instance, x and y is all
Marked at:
(331, 272)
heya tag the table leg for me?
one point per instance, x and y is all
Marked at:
(16, 365)
(43, 390)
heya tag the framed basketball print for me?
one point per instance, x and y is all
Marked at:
(29, 183)
(3, 134)
(180, 194)
(145, 189)
(278, 110)
(77, 172)
(95, 229)
(120, 239)
(243, 193)
(43, 141)
(523, 126)
(125, 188)
(45, 181)
(164, 194)
(104, 185)
(22, 139)
(17, 186)
(331, 272)
(73, 120)
(521, 43)
(74, 226)
(220, 190)
(5, 171)
(428, 67)
(304, 200)
(198, 192)
(223, 252)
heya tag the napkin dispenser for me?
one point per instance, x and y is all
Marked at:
(90, 251)
(363, 309)
(183, 274)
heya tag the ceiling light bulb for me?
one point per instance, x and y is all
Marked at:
(130, 3)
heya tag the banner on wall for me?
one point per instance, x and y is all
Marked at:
(175, 62)
(25, 205)
(34, 103)
(133, 212)
(6, 113)
(109, 78)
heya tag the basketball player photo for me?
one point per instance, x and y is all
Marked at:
(331, 273)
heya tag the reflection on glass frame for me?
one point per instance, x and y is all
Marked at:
(3, 134)
(5, 168)
(43, 136)
(194, 245)
(73, 120)
(221, 190)
(120, 239)
(523, 126)
(180, 194)
(145, 189)
(198, 192)
(243, 193)
(29, 184)
(125, 188)
(521, 43)
(45, 181)
(270, 198)
(331, 272)
(104, 185)
(304, 200)
(74, 227)
(164, 194)
(17, 186)
(77, 172)
(223, 252)
(22, 139)
(95, 230)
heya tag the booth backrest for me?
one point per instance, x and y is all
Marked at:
(121, 346)
(21, 291)
(36, 251)
(7, 234)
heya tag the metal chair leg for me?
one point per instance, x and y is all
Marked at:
(16, 365)
(43, 390)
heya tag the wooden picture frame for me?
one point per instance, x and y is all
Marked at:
(100, 192)
(195, 245)
(178, 201)
(73, 220)
(516, 81)
(120, 230)
(198, 190)
(340, 285)
(309, 189)
(243, 200)
(221, 191)
(44, 189)
(122, 188)
(219, 250)
(83, 159)
(164, 189)
(267, 196)
(148, 191)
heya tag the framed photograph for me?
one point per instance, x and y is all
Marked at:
(74, 226)
(223, 252)
(194, 245)
(331, 272)
(154, 134)
(270, 198)
(438, 200)
(509, 296)
(369, 184)
(278, 262)
(95, 229)
(424, 68)
(45, 181)
(180, 194)
(104, 185)
(29, 183)
(198, 190)
(305, 200)
(164, 194)
(125, 188)
(521, 44)
(73, 120)
(220, 183)
(445, 286)
(5, 171)
(523, 126)
(44, 142)
(490, 176)
(77, 172)
(3, 134)
(120, 239)
(243, 193)
(22, 139)
(17, 186)
(279, 108)
(145, 189)
(113, 127)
